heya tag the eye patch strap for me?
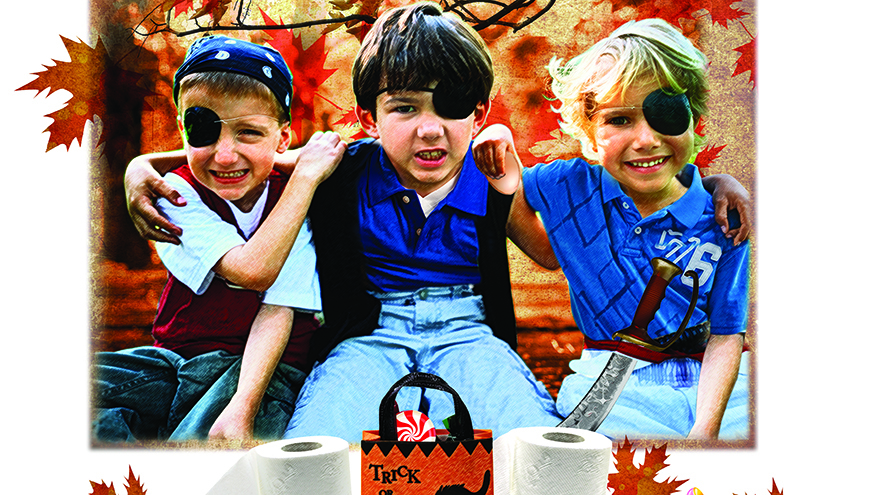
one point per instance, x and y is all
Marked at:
(202, 126)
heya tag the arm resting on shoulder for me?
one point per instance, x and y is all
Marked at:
(496, 156)
(717, 378)
(265, 345)
(143, 185)
(729, 194)
(255, 264)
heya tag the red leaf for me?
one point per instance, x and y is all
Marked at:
(671, 12)
(746, 61)
(707, 156)
(179, 6)
(83, 77)
(632, 480)
(722, 12)
(216, 8)
(307, 67)
(134, 486)
(102, 489)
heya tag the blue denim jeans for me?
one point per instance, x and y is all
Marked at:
(150, 393)
(433, 330)
(659, 400)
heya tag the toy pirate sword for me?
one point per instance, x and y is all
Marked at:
(596, 405)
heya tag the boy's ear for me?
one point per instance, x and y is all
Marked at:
(367, 122)
(284, 143)
(481, 114)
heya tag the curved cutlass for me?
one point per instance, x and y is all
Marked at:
(595, 406)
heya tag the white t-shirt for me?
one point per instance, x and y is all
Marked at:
(206, 238)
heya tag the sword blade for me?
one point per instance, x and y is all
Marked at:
(595, 406)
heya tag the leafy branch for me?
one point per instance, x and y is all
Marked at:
(148, 26)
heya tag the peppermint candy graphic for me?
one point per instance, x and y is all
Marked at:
(413, 426)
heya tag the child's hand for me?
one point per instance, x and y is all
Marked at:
(731, 195)
(234, 423)
(319, 157)
(143, 186)
(496, 157)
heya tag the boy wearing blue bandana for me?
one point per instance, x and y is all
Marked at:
(633, 100)
(237, 313)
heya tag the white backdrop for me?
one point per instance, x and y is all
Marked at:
(818, 165)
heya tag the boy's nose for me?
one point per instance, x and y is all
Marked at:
(645, 136)
(430, 127)
(225, 150)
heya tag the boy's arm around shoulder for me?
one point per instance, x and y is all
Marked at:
(729, 194)
(496, 156)
(265, 345)
(143, 185)
(256, 263)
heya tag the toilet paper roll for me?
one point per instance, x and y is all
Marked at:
(543, 460)
(303, 466)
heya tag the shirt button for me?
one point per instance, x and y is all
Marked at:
(405, 199)
(638, 230)
(625, 206)
(418, 231)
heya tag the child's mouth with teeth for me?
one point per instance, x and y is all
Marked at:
(229, 175)
(652, 163)
(431, 155)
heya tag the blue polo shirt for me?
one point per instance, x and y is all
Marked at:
(604, 247)
(406, 251)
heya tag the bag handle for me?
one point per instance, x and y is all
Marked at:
(462, 428)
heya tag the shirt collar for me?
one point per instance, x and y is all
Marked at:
(688, 209)
(469, 194)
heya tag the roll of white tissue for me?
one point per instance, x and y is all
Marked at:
(544, 460)
(302, 466)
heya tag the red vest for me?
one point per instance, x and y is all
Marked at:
(221, 317)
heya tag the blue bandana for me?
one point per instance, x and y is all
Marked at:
(224, 54)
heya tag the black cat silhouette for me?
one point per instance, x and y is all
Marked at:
(461, 490)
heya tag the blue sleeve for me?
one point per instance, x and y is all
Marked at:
(728, 303)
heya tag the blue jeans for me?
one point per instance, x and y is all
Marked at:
(433, 330)
(659, 400)
(150, 393)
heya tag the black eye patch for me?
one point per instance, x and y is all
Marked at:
(455, 101)
(451, 101)
(667, 114)
(201, 126)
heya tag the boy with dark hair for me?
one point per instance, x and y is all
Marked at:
(235, 318)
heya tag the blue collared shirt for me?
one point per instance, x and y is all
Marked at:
(604, 247)
(406, 251)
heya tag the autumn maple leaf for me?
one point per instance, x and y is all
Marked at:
(179, 6)
(721, 11)
(746, 61)
(216, 8)
(774, 491)
(85, 77)
(102, 489)
(134, 486)
(632, 480)
(307, 67)
(671, 12)
(707, 156)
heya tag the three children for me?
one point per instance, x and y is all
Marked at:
(411, 239)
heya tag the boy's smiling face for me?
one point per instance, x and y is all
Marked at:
(641, 159)
(236, 165)
(425, 149)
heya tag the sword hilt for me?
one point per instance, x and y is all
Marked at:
(637, 332)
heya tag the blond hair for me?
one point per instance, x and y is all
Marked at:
(639, 52)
